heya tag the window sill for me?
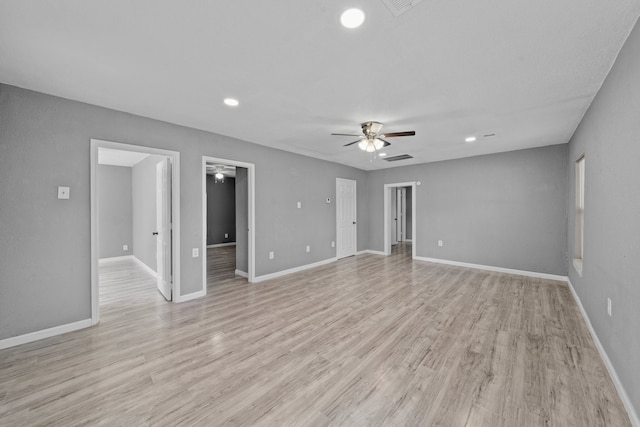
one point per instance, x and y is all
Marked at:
(577, 264)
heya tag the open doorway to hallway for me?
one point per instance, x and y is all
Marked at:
(227, 220)
(400, 218)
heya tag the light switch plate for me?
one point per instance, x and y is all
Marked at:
(63, 193)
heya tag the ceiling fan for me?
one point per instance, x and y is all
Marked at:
(219, 171)
(371, 138)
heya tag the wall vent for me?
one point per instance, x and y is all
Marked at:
(398, 7)
(399, 157)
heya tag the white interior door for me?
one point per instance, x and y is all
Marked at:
(401, 206)
(163, 227)
(346, 204)
(394, 216)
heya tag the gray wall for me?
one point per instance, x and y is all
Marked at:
(144, 210)
(504, 210)
(114, 211)
(242, 220)
(221, 210)
(45, 278)
(609, 137)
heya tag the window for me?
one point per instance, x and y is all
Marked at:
(578, 249)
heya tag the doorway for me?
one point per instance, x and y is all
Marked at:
(162, 240)
(346, 215)
(227, 220)
(400, 215)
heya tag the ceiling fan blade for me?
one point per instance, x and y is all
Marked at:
(351, 143)
(392, 134)
(386, 143)
(345, 134)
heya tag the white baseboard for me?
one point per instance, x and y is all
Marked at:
(370, 251)
(497, 269)
(189, 297)
(633, 415)
(115, 258)
(145, 266)
(219, 245)
(242, 274)
(45, 333)
(293, 270)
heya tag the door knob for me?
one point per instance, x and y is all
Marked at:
(155, 233)
(354, 222)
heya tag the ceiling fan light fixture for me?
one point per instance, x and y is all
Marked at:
(363, 144)
(371, 147)
(219, 175)
(352, 18)
(378, 143)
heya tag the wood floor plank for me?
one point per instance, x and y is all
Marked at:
(366, 340)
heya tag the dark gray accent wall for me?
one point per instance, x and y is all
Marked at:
(221, 210)
(45, 270)
(144, 210)
(609, 138)
(504, 210)
(114, 211)
(242, 220)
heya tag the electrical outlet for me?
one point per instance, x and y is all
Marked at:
(299, 205)
(440, 243)
(271, 256)
(609, 306)
(195, 252)
(226, 235)
(308, 248)
(125, 247)
(333, 244)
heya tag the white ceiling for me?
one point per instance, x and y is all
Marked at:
(107, 156)
(524, 70)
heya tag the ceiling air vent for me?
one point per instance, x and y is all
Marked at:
(398, 7)
(399, 157)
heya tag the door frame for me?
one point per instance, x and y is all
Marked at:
(387, 206)
(175, 215)
(355, 248)
(251, 220)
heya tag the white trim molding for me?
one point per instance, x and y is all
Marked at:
(45, 333)
(293, 270)
(633, 415)
(114, 259)
(146, 267)
(497, 269)
(220, 245)
(242, 273)
(189, 297)
(370, 251)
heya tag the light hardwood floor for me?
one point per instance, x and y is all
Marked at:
(367, 340)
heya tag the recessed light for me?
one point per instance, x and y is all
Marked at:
(352, 18)
(231, 102)
(382, 154)
(470, 139)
